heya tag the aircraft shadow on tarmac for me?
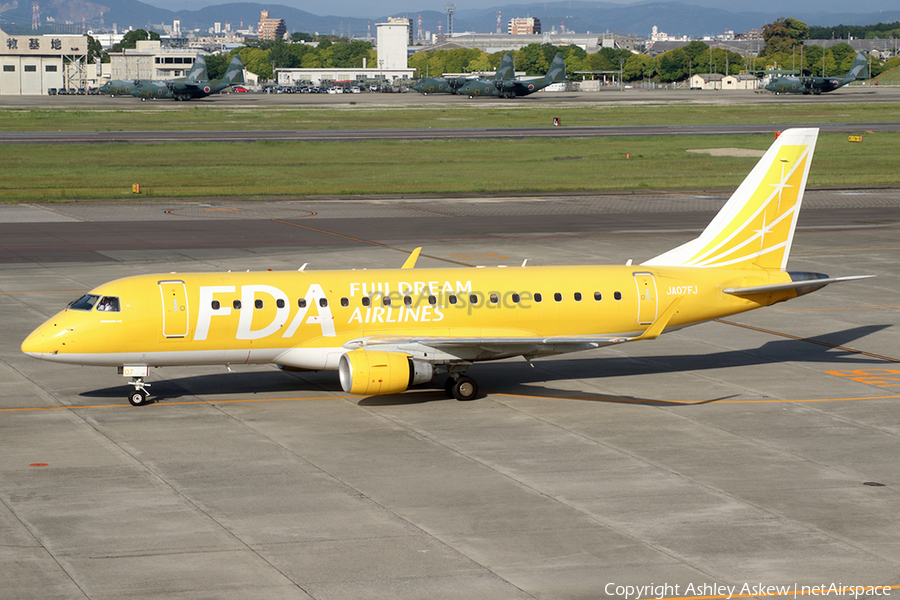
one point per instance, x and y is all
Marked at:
(517, 378)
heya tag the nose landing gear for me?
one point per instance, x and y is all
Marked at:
(140, 395)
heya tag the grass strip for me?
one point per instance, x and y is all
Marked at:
(38, 173)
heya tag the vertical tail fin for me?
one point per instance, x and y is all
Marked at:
(506, 69)
(198, 70)
(859, 69)
(755, 228)
(234, 75)
(557, 71)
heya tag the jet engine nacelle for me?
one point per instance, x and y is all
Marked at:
(373, 373)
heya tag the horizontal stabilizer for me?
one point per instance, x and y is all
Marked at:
(791, 285)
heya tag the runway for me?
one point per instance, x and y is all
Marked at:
(82, 137)
(761, 449)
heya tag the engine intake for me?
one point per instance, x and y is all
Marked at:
(374, 373)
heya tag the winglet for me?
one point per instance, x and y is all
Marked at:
(413, 257)
(659, 324)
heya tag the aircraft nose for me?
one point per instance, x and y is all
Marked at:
(34, 343)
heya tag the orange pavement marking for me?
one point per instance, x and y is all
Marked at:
(689, 403)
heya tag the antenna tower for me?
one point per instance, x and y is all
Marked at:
(420, 36)
(498, 22)
(35, 16)
(102, 26)
(439, 28)
(450, 8)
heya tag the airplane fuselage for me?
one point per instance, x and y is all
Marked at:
(304, 319)
(805, 85)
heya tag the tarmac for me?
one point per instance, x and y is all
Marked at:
(758, 450)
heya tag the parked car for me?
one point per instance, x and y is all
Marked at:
(51, 91)
(240, 89)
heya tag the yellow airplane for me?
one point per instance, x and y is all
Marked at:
(386, 330)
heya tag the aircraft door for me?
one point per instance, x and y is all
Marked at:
(175, 308)
(647, 300)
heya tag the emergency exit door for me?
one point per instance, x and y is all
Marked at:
(175, 308)
(647, 301)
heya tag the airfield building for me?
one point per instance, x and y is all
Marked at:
(392, 66)
(149, 60)
(32, 64)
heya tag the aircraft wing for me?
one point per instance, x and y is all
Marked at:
(488, 344)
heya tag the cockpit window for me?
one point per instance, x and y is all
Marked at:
(86, 302)
(109, 303)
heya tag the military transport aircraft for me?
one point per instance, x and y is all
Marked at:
(818, 85)
(185, 89)
(122, 87)
(387, 329)
(510, 88)
(451, 85)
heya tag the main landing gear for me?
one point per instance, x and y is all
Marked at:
(461, 387)
(140, 395)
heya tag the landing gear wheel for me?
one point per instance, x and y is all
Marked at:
(138, 397)
(464, 389)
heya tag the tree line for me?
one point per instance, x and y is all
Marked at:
(783, 49)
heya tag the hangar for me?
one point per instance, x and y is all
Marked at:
(32, 64)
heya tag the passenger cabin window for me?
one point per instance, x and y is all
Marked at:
(432, 300)
(236, 304)
(577, 296)
(109, 304)
(258, 303)
(279, 303)
(495, 298)
(366, 301)
(557, 296)
(215, 305)
(598, 296)
(452, 299)
(86, 302)
(385, 300)
(473, 298)
(538, 297)
(345, 302)
(407, 300)
(516, 298)
(617, 295)
(323, 302)
(301, 303)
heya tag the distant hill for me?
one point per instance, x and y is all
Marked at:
(674, 18)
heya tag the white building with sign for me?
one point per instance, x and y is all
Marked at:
(32, 64)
